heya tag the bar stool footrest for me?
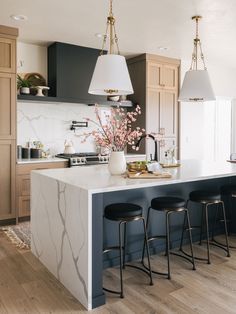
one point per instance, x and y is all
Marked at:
(155, 272)
(221, 246)
(195, 257)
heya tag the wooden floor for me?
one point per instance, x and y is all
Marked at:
(27, 287)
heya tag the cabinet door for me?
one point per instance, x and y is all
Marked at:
(169, 113)
(7, 106)
(154, 75)
(7, 179)
(169, 77)
(24, 206)
(152, 117)
(7, 55)
(23, 185)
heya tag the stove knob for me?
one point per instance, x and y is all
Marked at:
(101, 159)
(83, 160)
(73, 161)
(79, 160)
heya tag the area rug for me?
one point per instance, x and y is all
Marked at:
(19, 234)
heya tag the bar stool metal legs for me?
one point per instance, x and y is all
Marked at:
(205, 222)
(215, 242)
(167, 237)
(122, 253)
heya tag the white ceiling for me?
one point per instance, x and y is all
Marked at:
(142, 25)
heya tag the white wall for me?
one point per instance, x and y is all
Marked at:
(31, 58)
(193, 117)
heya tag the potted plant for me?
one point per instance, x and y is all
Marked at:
(115, 132)
(23, 85)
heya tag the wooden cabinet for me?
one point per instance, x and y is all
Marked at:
(7, 122)
(7, 179)
(23, 183)
(7, 106)
(156, 86)
(7, 54)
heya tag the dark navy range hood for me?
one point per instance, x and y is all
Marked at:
(70, 69)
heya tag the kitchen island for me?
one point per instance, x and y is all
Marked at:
(68, 231)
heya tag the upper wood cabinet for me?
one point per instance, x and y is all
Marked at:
(7, 106)
(7, 55)
(155, 81)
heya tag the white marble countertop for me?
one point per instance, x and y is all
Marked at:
(39, 160)
(97, 179)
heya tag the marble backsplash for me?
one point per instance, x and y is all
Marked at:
(50, 123)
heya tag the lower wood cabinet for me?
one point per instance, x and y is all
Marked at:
(23, 183)
(7, 179)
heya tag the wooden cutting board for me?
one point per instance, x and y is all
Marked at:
(146, 175)
(170, 165)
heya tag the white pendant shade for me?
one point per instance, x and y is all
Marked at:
(111, 76)
(196, 87)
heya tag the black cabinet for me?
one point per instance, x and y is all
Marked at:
(70, 69)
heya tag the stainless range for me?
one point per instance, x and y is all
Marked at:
(83, 159)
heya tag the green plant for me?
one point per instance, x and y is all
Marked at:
(22, 82)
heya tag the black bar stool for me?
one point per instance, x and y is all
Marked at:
(228, 191)
(206, 199)
(124, 213)
(169, 205)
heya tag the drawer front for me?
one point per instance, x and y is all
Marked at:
(27, 168)
(23, 185)
(24, 206)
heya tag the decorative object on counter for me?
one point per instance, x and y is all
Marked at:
(114, 131)
(78, 124)
(26, 152)
(23, 85)
(170, 159)
(111, 75)
(69, 147)
(196, 85)
(35, 153)
(19, 151)
(117, 163)
(40, 90)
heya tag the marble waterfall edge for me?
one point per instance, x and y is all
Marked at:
(60, 233)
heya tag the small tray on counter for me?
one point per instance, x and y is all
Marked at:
(148, 175)
(170, 165)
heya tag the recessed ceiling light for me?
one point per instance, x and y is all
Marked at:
(161, 48)
(99, 35)
(19, 17)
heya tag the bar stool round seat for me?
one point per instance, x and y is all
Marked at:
(209, 198)
(204, 196)
(165, 203)
(124, 213)
(169, 205)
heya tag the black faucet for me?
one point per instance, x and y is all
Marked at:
(155, 141)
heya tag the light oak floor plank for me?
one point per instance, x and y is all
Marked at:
(27, 287)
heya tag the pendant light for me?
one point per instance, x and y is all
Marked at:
(196, 85)
(111, 75)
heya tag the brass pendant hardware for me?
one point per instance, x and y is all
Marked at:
(197, 46)
(111, 91)
(113, 39)
(196, 99)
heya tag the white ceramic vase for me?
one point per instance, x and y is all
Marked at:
(117, 163)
